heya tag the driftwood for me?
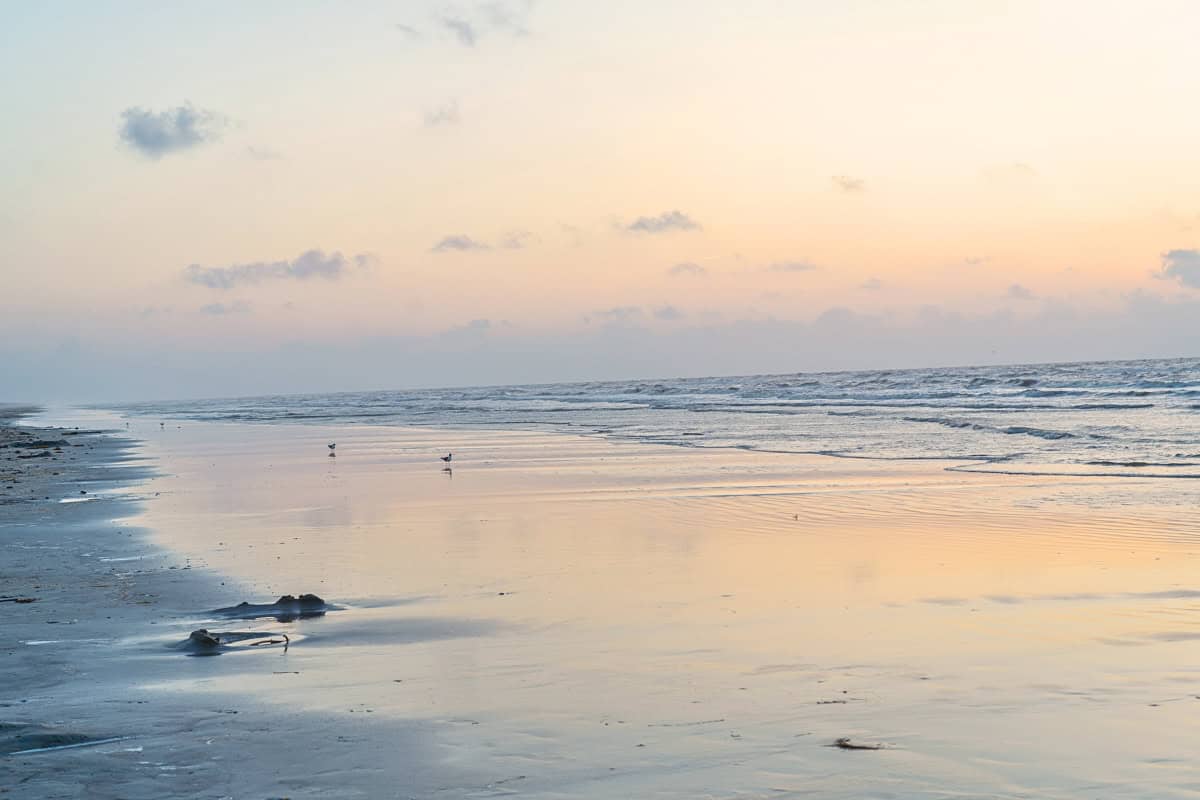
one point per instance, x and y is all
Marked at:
(211, 643)
(845, 743)
(285, 609)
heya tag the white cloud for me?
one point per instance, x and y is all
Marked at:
(1182, 266)
(310, 264)
(849, 184)
(173, 130)
(443, 115)
(459, 242)
(665, 222)
(688, 268)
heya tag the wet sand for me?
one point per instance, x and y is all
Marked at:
(78, 715)
(573, 617)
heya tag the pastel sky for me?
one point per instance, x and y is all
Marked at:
(219, 198)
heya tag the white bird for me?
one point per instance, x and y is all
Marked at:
(447, 457)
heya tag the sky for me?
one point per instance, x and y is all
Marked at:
(239, 198)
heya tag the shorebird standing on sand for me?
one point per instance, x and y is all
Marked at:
(332, 446)
(447, 457)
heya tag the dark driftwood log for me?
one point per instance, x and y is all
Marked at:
(845, 743)
(285, 609)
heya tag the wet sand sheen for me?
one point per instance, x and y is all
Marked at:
(594, 619)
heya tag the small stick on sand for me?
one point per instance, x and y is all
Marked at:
(844, 743)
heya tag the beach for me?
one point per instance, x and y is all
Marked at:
(81, 714)
(565, 615)
(474, 399)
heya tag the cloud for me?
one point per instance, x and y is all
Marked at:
(849, 184)
(1019, 292)
(687, 268)
(218, 309)
(872, 284)
(156, 134)
(476, 326)
(507, 16)
(462, 29)
(668, 313)
(791, 266)
(664, 223)
(442, 115)
(620, 313)
(310, 264)
(458, 242)
(487, 18)
(475, 331)
(517, 240)
(1182, 266)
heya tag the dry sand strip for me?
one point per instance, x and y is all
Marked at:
(85, 635)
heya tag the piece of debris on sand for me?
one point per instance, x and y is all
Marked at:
(846, 743)
(285, 609)
(210, 643)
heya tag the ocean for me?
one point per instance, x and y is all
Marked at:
(1121, 419)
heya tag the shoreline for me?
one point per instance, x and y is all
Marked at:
(80, 716)
(954, 464)
(64, 523)
(1116, 419)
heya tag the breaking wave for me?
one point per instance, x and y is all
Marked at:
(1123, 419)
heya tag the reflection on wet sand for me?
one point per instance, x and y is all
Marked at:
(603, 619)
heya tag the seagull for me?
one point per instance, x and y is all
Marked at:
(447, 457)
